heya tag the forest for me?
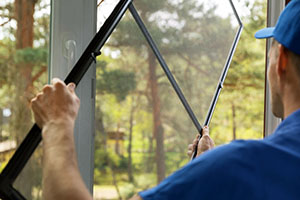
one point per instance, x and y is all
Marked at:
(142, 130)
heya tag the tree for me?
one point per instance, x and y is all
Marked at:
(25, 67)
(241, 100)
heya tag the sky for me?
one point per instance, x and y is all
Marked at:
(107, 6)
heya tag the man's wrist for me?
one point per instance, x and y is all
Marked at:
(58, 131)
(59, 122)
(58, 143)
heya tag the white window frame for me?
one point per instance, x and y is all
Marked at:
(73, 25)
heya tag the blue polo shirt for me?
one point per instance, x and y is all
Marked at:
(244, 169)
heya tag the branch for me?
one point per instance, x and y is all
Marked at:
(100, 3)
(192, 64)
(235, 86)
(164, 75)
(5, 22)
(8, 6)
(6, 16)
(140, 93)
(43, 7)
(38, 74)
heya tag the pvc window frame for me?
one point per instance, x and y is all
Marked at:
(73, 25)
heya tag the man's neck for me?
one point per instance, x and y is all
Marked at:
(291, 100)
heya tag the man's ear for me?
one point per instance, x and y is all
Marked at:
(282, 59)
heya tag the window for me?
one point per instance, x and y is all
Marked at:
(142, 129)
(24, 36)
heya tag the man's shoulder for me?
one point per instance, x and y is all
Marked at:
(214, 173)
(229, 162)
(237, 150)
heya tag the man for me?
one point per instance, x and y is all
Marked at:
(264, 169)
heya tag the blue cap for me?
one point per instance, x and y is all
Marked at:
(287, 29)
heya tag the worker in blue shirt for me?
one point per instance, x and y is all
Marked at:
(252, 169)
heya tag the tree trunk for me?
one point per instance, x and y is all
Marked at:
(158, 131)
(233, 122)
(1, 124)
(24, 11)
(115, 181)
(149, 163)
(100, 127)
(129, 150)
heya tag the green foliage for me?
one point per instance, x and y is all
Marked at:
(117, 82)
(244, 85)
(109, 159)
(31, 55)
(105, 162)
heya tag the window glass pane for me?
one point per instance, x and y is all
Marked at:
(142, 129)
(24, 42)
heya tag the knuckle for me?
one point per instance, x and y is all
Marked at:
(195, 142)
(77, 100)
(47, 88)
(39, 96)
(33, 100)
(206, 137)
(205, 131)
(59, 84)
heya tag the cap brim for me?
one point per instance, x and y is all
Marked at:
(265, 33)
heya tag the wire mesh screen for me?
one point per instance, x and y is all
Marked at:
(142, 129)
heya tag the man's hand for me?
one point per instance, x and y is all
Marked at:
(56, 103)
(55, 110)
(205, 143)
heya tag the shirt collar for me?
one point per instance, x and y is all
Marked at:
(292, 119)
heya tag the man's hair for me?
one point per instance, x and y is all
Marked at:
(295, 58)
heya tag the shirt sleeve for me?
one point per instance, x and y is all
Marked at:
(214, 175)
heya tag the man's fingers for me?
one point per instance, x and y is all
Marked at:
(47, 89)
(39, 96)
(205, 143)
(33, 100)
(57, 83)
(205, 130)
(191, 147)
(71, 87)
(189, 153)
(195, 141)
(55, 80)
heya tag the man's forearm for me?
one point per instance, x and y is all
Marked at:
(61, 178)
